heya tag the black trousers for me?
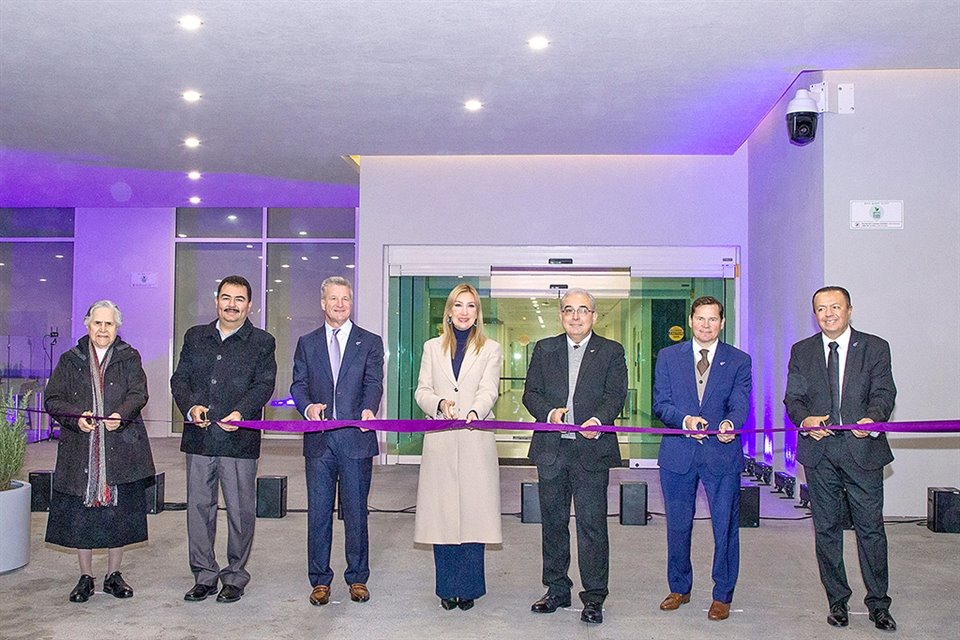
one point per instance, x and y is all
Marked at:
(559, 483)
(835, 478)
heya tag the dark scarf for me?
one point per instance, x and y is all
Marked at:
(99, 493)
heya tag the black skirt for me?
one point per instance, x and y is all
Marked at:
(73, 525)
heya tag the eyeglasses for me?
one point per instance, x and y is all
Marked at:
(569, 311)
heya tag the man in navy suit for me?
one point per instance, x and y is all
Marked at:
(842, 376)
(702, 384)
(577, 378)
(338, 374)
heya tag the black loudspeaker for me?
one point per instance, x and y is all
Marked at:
(41, 493)
(529, 502)
(154, 493)
(271, 496)
(943, 509)
(749, 505)
(633, 502)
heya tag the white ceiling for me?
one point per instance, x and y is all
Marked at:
(292, 86)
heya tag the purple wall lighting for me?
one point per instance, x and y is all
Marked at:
(35, 179)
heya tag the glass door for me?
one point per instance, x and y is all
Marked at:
(651, 315)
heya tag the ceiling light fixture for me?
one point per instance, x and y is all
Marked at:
(194, 199)
(191, 96)
(194, 175)
(232, 217)
(538, 42)
(192, 142)
(473, 105)
(350, 266)
(301, 233)
(190, 23)
(59, 256)
(334, 257)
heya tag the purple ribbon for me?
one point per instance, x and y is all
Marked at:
(421, 426)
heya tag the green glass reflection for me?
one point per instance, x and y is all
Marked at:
(653, 316)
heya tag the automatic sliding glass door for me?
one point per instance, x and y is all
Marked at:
(650, 313)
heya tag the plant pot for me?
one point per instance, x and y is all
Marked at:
(15, 526)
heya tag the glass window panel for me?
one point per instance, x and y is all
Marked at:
(199, 269)
(36, 222)
(294, 274)
(219, 222)
(312, 223)
(36, 288)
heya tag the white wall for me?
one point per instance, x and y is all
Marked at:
(109, 246)
(543, 200)
(785, 223)
(903, 143)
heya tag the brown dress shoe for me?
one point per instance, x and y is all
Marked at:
(359, 592)
(320, 595)
(719, 610)
(674, 600)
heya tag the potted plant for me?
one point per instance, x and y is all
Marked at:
(14, 494)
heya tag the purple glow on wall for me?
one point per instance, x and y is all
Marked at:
(36, 179)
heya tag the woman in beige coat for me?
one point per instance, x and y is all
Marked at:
(458, 498)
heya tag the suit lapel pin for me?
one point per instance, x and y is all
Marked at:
(855, 343)
(723, 363)
(357, 343)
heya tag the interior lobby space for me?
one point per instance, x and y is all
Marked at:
(778, 593)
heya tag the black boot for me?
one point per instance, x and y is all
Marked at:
(83, 590)
(115, 585)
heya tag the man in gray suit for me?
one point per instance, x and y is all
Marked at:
(577, 378)
(836, 377)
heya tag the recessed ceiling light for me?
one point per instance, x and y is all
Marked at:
(473, 105)
(3, 264)
(304, 258)
(278, 281)
(43, 279)
(59, 256)
(190, 23)
(191, 95)
(194, 199)
(284, 266)
(181, 235)
(194, 175)
(349, 266)
(232, 217)
(334, 257)
(538, 42)
(249, 246)
(192, 142)
(301, 233)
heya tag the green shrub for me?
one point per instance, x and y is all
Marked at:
(13, 440)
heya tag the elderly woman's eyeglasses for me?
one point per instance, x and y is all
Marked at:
(570, 312)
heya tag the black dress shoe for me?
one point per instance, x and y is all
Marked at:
(838, 615)
(448, 603)
(83, 590)
(550, 603)
(229, 593)
(883, 620)
(115, 585)
(465, 603)
(592, 613)
(199, 592)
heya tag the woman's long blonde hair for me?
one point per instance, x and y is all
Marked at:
(448, 339)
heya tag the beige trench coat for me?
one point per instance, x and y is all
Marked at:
(458, 497)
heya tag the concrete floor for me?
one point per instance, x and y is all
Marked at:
(778, 596)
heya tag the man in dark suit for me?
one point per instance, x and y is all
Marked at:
(842, 376)
(577, 378)
(338, 374)
(702, 384)
(227, 371)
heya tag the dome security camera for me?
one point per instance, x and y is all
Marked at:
(802, 116)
